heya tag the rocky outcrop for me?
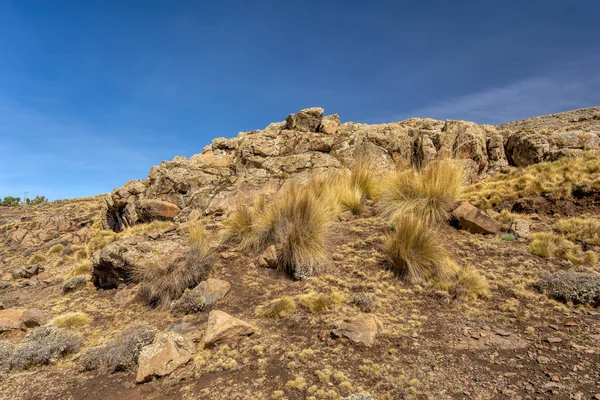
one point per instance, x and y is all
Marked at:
(115, 264)
(308, 143)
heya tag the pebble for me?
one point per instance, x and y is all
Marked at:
(553, 340)
(555, 378)
(543, 360)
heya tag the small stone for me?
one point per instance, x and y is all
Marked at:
(555, 378)
(359, 329)
(500, 332)
(510, 374)
(554, 327)
(222, 327)
(571, 323)
(226, 255)
(345, 216)
(543, 360)
(597, 396)
(553, 340)
(213, 290)
(268, 258)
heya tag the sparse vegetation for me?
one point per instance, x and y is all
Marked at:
(190, 302)
(321, 302)
(415, 252)
(428, 194)
(278, 308)
(57, 248)
(75, 283)
(71, 320)
(548, 244)
(44, 345)
(161, 286)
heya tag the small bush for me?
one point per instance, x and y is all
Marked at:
(415, 252)
(44, 345)
(6, 351)
(161, 287)
(428, 193)
(74, 284)
(57, 248)
(190, 302)
(120, 353)
(509, 237)
(71, 320)
(277, 308)
(364, 301)
(320, 302)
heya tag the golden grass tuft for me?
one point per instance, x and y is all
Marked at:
(295, 220)
(36, 259)
(81, 268)
(162, 286)
(585, 229)
(71, 320)
(428, 193)
(548, 244)
(278, 308)
(415, 252)
(470, 284)
(321, 302)
(57, 248)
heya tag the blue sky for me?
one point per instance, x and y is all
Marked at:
(93, 93)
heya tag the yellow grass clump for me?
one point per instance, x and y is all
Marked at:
(81, 268)
(71, 320)
(57, 248)
(428, 193)
(277, 308)
(321, 302)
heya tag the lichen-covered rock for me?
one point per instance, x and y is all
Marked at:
(578, 288)
(27, 271)
(212, 290)
(525, 148)
(190, 302)
(115, 264)
(75, 283)
(307, 120)
(168, 352)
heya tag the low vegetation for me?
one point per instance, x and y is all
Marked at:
(44, 345)
(560, 179)
(278, 308)
(428, 193)
(161, 286)
(71, 320)
(190, 302)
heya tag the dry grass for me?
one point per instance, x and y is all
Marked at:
(36, 259)
(559, 178)
(57, 248)
(81, 268)
(428, 193)
(278, 308)
(161, 286)
(584, 229)
(71, 320)
(295, 221)
(321, 302)
(415, 252)
(548, 244)
(470, 284)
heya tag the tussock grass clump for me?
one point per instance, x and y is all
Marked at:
(57, 248)
(71, 320)
(120, 353)
(295, 221)
(560, 179)
(278, 308)
(81, 268)
(548, 244)
(143, 228)
(470, 284)
(321, 302)
(160, 287)
(428, 193)
(584, 229)
(44, 345)
(36, 259)
(6, 351)
(414, 250)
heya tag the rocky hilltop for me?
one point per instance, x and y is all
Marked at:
(309, 143)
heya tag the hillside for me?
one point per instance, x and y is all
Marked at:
(316, 259)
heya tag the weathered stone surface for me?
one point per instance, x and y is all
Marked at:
(222, 328)
(525, 148)
(11, 320)
(268, 258)
(35, 317)
(27, 271)
(579, 288)
(520, 228)
(330, 124)
(114, 264)
(213, 290)
(149, 210)
(168, 352)
(75, 283)
(307, 120)
(361, 329)
(470, 218)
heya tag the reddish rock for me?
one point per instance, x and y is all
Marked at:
(168, 352)
(213, 290)
(360, 329)
(470, 218)
(157, 209)
(222, 327)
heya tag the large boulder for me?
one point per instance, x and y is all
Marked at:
(578, 288)
(20, 319)
(526, 148)
(116, 263)
(470, 218)
(360, 329)
(168, 352)
(223, 328)
(149, 210)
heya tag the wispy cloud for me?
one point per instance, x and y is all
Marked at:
(567, 89)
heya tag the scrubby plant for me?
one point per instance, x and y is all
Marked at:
(428, 193)
(57, 248)
(509, 237)
(295, 221)
(10, 201)
(44, 345)
(161, 286)
(277, 308)
(190, 302)
(71, 320)
(364, 301)
(75, 283)
(469, 283)
(6, 351)
(321, 302)
(120, 353)
(36, 259)
(415, 252)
